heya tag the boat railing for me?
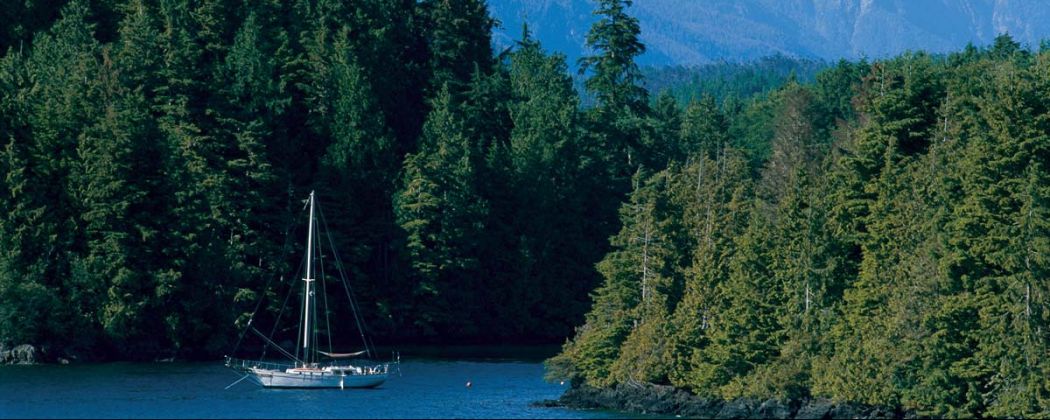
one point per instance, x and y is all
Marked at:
(247, 365)
(379, 369)
(241, 364)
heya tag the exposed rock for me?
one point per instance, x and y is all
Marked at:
(24, 354)
(815, 409)
(547, 404)
(772, 409)
(736, 409)
(641, 398)
(844, 412)
(667, 400)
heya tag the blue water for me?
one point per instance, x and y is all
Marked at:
(426, 389)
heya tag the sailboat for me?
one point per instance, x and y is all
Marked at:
(308, 366)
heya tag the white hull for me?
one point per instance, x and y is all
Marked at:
(315, 379)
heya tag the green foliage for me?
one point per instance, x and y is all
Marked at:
(438, 208)
(550, 176)
(873, 233)
(703, 131)
(616, 78)
(633, 273)
(458, 35)
(883, 244)
(732, 80)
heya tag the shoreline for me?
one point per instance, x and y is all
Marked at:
(32, 355)
(666, 400)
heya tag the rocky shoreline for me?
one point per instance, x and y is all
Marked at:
(24, 354)
(667, 400)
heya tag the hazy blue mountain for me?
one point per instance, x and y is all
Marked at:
(703, 31)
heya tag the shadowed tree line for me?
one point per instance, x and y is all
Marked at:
(155, 155)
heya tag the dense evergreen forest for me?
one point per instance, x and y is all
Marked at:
(891, 246)
(730, 81)
(156, 154)
(876, 233)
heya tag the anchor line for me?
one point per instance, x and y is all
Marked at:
(238, 381)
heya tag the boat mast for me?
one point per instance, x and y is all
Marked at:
(309, 279)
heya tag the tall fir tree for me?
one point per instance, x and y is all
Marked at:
(442, 215)
(717, 198)
(629, 272)
(458, 35)
(613, 77)
(66, 60)
(554, 248)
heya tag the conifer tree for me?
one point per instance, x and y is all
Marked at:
(358, 167)
(23, 316)
(548, 165)
(616, 79)
(438, 208)
(458, 35)
(660, 136)
(704, 129)
(880, 214)
(716, 206)
(802, 259)
(664, 252)
(111, 184)
(194, 146)
(65, 61)
(1001, 234)
(394, 56)
(246, 109)
(629, 273)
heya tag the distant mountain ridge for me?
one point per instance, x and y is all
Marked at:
(689, 32)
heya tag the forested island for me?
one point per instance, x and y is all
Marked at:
(874, 233)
